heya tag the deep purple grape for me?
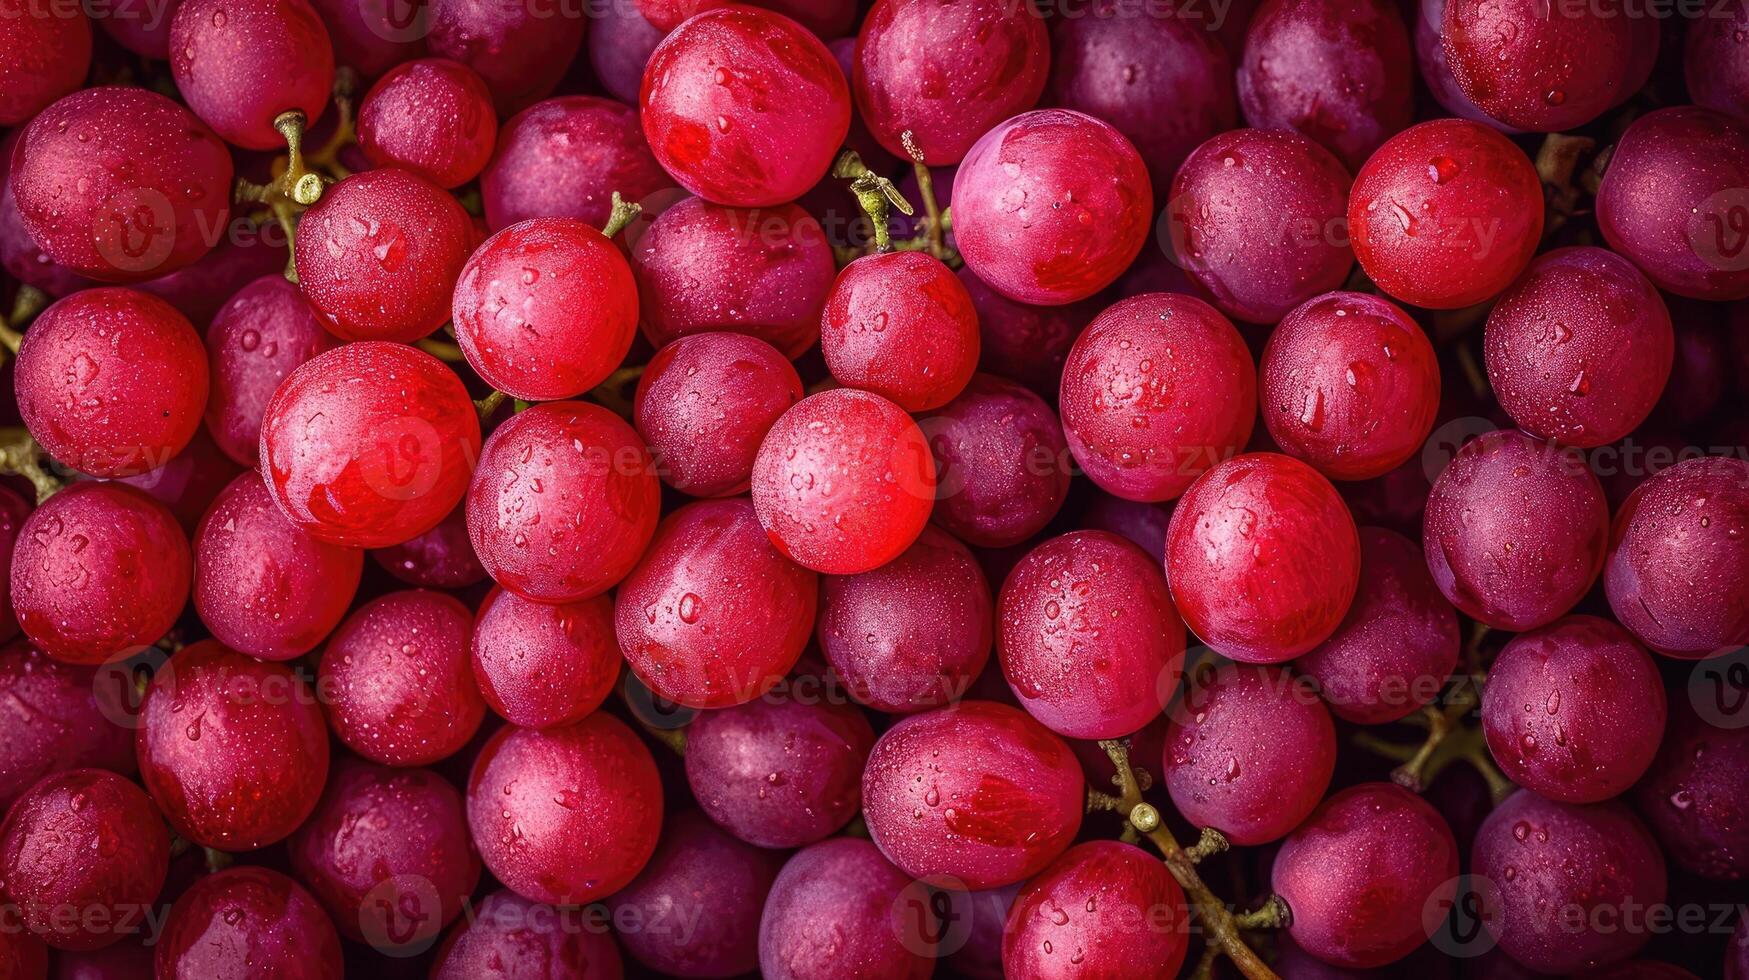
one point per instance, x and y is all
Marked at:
(619, 44)
(1023, 342)
(509, 936)
(564, 158)
(1695, 795)
(704, 404)
(839, 909)
(520, 50)
(1713, 64)
(1002, 465)
(60, 716)
(441, 558)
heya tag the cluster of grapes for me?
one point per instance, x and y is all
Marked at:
(707, 385)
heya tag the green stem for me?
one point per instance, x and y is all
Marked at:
(489, 404)
(19, 454)
(624, 213)
(443, 350)
(876, 195)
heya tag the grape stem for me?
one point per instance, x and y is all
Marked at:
(1221, 928)
(613, 394)
(874, 193)
(25, 306)
(443, 350)
(217, 860)
(934, 236)
(301, 185)
(327, 157)
(624, 213)
(20, 455)
(489, 404)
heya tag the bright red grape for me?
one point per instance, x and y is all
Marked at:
(704, 404)
(44, 54)
(839, 909)
(1694, 794)
(516, 937)
(521, 51)
(902, 326)
(258, 338)
(61, 717)
(1058, 930)
(541, 665)
(432, 117)
(1002, 465)
(564, 157)
(240, 64)
(247, 921)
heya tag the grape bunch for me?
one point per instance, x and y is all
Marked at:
(874, 489)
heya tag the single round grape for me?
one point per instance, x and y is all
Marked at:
(369, 444)
(1001, 462)
(398, 680)
(1694, 795)
(564, 158)
(1088, 637)
(620, 44)
(1546, 860)
(120, 184)
(1579, 348)
(60, 717)
(85, 840)
(779, 772)
(704, 404)
(541, 665)
(999, 795)
(233, 750)
(1263, 558)
(1680, 543)
(1359, 874)
(913, 633)
(844, 482)
(20, 256)
(901, 325)
(569, 815)
(44, 54)
(240, 64)
(1256, 219)
(521, 51)
(387, 853)
(111, 381)
(371, 36)
(827, 18)
(744, 107)
(510, 935)
(947, 72)
(1339, 73)
(1542, 70)
(261, 585)
(546, 309)
(1398, 643)
(248, 921)
(432, 117)
(380, 254)
(190, 482)
(1713, 66)
(839, 909)
(1672, 200)
(441, 558)
(1250, 752)
(1574, 710)
(1083, 214)
(1515, 530)
(99, 570)
(1057, 931)
(1445, 214)
(698, 870)
(564, 501)
(1024, 342)
(258, 338)
(764, 273)
(1436, 70)
(245, 252)
(1350, 384)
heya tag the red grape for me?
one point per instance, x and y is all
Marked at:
(843, 482)
(541, 665)
(699, 871)
(1515, 530)
(261, 585)
(839, 909)
(86, 841)
(111, 381)
(370, 36)
(1263, 558)
(1571, 884)
(1680, 544)
(564, 500)
(1024, 342)
(1360, 873)
(380, 254)
(902, 326)
(947, 71)
(1447, 213)
(779, 772)
(100, 570)
(121, 184)
(744, 107)
(1672, 200)
(1250, 752)
(1051, 206)
(1398, 643)
(387, 853)
(1694, 794)
(1713, 66)
(569, 815)
(432, 117)
(60, 717)
(1336, 71)
(1350, 384)
(369, 444)
(913, 633)
(264, 332)
(1436, 70)
(248, 921)
(190, 482)
(441, 558)
(827, 18)
(546, 309)
(240, 64)
(977, 794)
(1547, 69)
(1142, 523)
(521, 51)
(516, 938)
(564, 158)
(1001, 462)
(1088, 636)
(233, 750)
(1257, 221)
(44, 54)
(705, 402)
(1057, 931)
(620, 43)
(1579, 348)
(19, 254)
(245, 252)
